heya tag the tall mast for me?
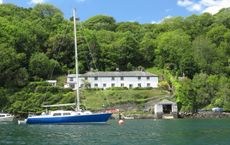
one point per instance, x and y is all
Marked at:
(77, 99)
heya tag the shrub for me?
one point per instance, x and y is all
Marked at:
(118, 88)
(145, 88)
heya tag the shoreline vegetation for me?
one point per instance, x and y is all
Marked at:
(191, 56)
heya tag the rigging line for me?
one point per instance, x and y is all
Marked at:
(94, 61)
(90, 51)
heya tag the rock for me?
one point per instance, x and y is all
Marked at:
(208, 114)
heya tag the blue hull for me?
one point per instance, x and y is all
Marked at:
(92, 118)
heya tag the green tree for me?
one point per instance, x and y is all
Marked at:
(41, 66)
(47, 15)
(170, 48)
(188, 66)
(223, 17)
(100, 22)
(205, 89)
(172, 23)
(3, 98)
(147, 49)
(186, 97)
(10, 68)
(60, 45)
(216, 34)
(126, 49)
(206, 56)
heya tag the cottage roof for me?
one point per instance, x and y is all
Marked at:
(116, 74)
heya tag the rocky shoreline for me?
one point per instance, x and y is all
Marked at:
(200, 115)
(204, 115)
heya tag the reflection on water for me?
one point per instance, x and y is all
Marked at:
(133, 132)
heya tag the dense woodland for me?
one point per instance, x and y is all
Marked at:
(191, 53)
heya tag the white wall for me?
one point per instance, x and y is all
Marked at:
(174, 108)
(158, 108)
(153, 81)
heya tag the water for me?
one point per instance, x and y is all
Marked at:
(133, 132)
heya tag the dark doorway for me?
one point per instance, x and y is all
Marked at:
(167, 108)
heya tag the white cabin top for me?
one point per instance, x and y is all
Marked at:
(5, 115)
(61, 113)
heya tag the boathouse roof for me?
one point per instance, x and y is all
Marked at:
(165, 102)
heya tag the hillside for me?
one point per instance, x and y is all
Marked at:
(35, 94)
(191, 54)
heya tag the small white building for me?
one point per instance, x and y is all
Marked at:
(52, 82)
(165, 108)
(129, 79)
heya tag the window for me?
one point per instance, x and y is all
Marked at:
(71, 85)
(139, 85)
(71, 79)
(113, 85)
(104, 85)
(148, 84)
(122, 85)
(95, 78)
(95, 85)
(139, 78)
(57, 114)
(2, 115)
(89, 85)
(122, 78)
(130, 85)
(148, 78)
(86, 78)
(113, 78)
(65, 114)
(82, 85)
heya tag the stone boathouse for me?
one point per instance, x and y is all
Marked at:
(165, 110)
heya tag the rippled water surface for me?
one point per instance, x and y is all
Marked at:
(133, 132)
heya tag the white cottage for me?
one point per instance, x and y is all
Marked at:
(129, 79)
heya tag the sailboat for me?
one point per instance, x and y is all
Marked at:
(66, 117)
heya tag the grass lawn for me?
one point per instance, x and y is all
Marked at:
(97, 99)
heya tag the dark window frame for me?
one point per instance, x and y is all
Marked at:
(57, 114)
(65, 114)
